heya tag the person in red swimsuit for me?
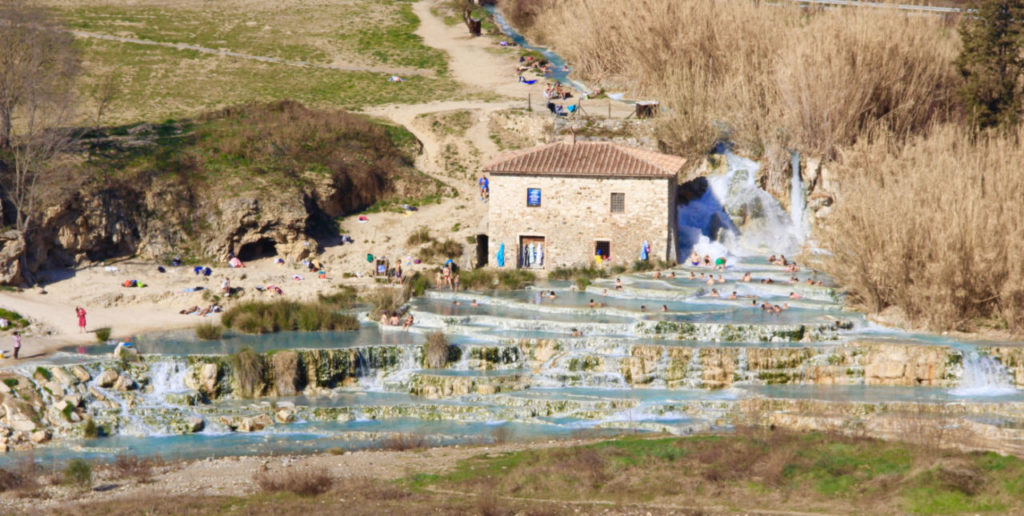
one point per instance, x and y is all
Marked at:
(80, 312)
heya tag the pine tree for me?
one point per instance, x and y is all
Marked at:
(991, 62)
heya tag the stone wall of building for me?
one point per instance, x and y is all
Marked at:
(575, 213)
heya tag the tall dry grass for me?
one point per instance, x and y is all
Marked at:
(934, 227)
(761, 74)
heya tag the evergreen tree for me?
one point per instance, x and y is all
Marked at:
(991, 62)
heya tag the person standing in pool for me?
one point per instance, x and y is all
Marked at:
(80, 313)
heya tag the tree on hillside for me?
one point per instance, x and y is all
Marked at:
(38, 66)
(991, 62)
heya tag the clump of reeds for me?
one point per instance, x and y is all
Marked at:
(441, 250)
(209, 331)
(935, 228)
(487, 279)
(273, 316)
(303, 481)
(436, 351)
(248, 368)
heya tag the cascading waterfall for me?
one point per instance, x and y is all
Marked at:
(735, 217)
(983, 376)
(797, 204)
(167, 377)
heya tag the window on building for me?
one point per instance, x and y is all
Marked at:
(618, 202)
(603, 248)
(533, 197)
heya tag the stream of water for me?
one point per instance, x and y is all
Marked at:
(675, 353)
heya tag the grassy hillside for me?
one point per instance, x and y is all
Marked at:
(266, 147)
(158, 82)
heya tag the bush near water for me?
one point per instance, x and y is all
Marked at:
(273, 316)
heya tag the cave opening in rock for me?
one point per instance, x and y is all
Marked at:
(262, 248)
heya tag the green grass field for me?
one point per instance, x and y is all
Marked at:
(780, 470)
(744, 472)
(159, 82)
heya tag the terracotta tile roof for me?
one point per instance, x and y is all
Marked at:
(591, 159)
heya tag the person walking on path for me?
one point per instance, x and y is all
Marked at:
(80, 312)
(17, 344)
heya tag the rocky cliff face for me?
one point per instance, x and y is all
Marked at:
(154, 223)
(255, 180)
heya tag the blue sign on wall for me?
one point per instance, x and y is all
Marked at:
(533, 197)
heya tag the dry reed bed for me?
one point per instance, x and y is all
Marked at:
(762, 75)
(935, 227)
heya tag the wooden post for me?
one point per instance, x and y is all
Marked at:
(529, 101)
(609, 108)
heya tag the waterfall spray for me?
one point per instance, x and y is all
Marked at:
(983, 376)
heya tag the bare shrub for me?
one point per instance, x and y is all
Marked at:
(935, 228)
(24, 476)
(488, 503)
(502, 434)
(420, 235)
(403, 442)
(386, 299)
(436, 350)
(303, 481)
(134, 467)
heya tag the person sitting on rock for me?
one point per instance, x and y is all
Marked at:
(408, 322)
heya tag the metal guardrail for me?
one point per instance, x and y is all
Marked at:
(886, 5)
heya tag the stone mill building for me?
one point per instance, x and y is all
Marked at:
(564, 203)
